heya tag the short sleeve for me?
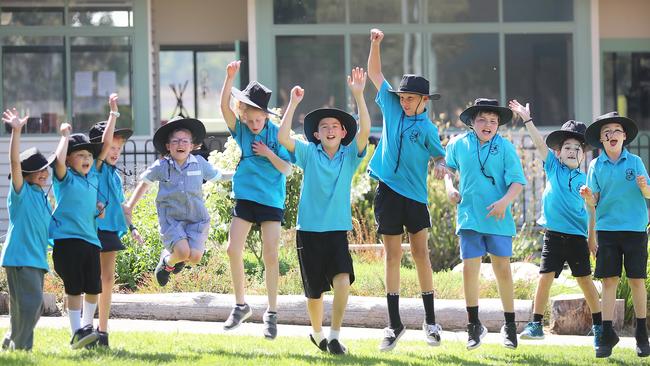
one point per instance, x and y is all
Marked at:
(433, 144)
(16, 197)
(302, 153)
(551, 162)
(450, 155)
(641, 170)
(592, 180)
(383, 95)
(514, 172)
(284, 154)
(233, 132)
(210, 174)
(153, 172)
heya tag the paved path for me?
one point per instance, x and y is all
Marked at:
(184, 326)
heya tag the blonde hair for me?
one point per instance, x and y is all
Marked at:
(242, 108)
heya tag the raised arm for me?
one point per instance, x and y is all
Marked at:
(284, 133)
(538, 139)
(107, 137)
(228, 114)
(10, 117)
(357, 83)
(62, 152)
(374, 58)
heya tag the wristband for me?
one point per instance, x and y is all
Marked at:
(528, 120)
(132, 228)
(116, 114)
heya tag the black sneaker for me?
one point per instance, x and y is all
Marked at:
(162, 271)
(6, 342)
(643, 349)
(336, 348)
(237, 316)
(102, 341)
(606, 344)
(83, 336)
(509, 334)
(321, 346)
(475, 332)
(270, 321)
(391, 336)
(178, 267)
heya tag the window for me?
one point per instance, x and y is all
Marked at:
(31, 13)
(450, 11)
(627, 85)
(308, 11)
(537, 11)
(100, 14)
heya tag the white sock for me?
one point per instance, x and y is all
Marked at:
(318, 336)
(334, 334)
(75, 319)
(89, 313)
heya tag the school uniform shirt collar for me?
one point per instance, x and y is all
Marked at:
(603, 157)
(339, 152)
(190, 160)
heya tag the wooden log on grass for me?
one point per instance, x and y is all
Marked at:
(570, 314)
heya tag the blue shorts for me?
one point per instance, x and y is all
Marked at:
(474, 244)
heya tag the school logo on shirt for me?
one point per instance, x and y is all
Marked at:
(273, 145)
(415, 134)
(494, 149)
(629, 174)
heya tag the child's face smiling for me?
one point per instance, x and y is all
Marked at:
(486, 125)
(412, 104)
(254, 118)
(180, 145)
(38, 178)
(81, 161)
(330, 132)
(116, 150)
(612, 135)
(571, 153)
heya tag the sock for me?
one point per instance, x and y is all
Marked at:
(334, 334)
(393, 310)
(597, 318)
(607, 325)
(318, 336)
(641, 332)
(537, 318)
(88, 313)
(241, 306)
(430, 315)
(510, 317)
(75, 319)
(472, 314)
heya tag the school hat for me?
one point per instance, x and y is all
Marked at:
(486, 105)
(570, 129)
(314, 117)
(415, 84)
(79, 141)
(255, 94)
(31, 161)
(196, 127)
(592, 135)
(97, 130)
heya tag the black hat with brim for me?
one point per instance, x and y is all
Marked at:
(256, 95)
(79, 141)
(486, 105)
(32, 161)
(415, 84)
(592, 135)
(314, 117)
(570, 129)
(97, 131)
(161, 137)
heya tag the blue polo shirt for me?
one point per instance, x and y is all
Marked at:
(256, 179)
(111, 194)
(27, 237)
(325, 192)
(563, 209)
(621, 206)
(477, 192)
(76, 207)
(418, 139)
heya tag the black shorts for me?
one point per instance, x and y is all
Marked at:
(394, 211)
(110, 241)
(560, 248)
(618, 248)
(257, 213)
(322, 256)
(77, 263)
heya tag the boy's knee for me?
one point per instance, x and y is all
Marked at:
(610, 282)
(637, 282)
(195, 257)
(234, 252)
(420, 253)
(270, 257)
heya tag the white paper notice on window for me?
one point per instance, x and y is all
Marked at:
(83, 83)
(106, 83)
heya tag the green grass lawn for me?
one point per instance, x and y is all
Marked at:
(51, 348)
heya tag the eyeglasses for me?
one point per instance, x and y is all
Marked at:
(609, 133)
(180, 141)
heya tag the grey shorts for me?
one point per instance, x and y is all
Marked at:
(196, 233)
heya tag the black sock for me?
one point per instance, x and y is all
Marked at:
(597, 318)
(472, 314)
(241, 306)
(510, 317)
(641, 332)
(430, 315)
(393, 310)
(607, 325)
(537, 318)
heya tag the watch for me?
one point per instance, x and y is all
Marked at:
(116, 114)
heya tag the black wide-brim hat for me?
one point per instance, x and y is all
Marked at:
(486, 105)
(79, 141)
(97, 131)
(32, 161)
(314, 117)
(592, 135)
(161, 137)
(415, 84)
(256, 95)
(570, 129)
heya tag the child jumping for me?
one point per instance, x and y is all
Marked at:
(329, 161)
(259, 189)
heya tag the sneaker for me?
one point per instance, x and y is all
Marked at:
(391, 336)
(533, 330)
(432, 334)
(597, 330)
(178, 267)
(322, 345)
(102, 340)
(6, 342)
(606, 343)
(237, 316)
(643, 349)
(509, 334)
(336, 348)
(475, 332)
(83, 337)
(162, 271)
(270, 325)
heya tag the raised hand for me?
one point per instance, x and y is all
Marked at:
(11, 118)
(297, 93)
(65, 129)
(357, 80)
(376, 35)
(112, 102)
(232, 69)
(523, 112)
